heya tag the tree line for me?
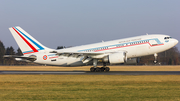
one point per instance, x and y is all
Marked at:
(168, 57)
(10, 51)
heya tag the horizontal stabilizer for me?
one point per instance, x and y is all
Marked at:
(30, 58)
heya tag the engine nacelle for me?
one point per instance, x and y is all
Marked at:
(116, 58)
(132, 61)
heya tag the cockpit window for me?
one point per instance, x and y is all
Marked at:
(167, 37)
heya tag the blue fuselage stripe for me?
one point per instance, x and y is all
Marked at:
(122, 44)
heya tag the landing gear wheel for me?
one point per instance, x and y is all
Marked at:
(92, 69)
(98, 69)
(102, 69)
(155, 62)
(107, 69)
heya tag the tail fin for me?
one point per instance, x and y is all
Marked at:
(25, 41)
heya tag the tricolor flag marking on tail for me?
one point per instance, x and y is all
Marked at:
(24, 36)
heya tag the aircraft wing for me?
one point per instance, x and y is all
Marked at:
(77, 53)
(97, 55)
(83, 53)
(87, 56)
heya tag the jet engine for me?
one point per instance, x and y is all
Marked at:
(116, 58)
(132, 61)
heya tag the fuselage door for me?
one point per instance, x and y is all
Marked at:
(153, 42)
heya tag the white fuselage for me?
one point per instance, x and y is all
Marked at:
(134, 47)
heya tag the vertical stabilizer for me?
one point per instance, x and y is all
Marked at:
(25, 41)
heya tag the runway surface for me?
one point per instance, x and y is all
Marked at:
(90, 73)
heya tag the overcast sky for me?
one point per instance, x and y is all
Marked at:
(77, 22)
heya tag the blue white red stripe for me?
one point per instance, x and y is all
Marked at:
(122, 45)
(24, 36)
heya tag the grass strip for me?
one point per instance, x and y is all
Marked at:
(89, 87)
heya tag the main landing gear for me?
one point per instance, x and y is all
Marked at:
(99, 69)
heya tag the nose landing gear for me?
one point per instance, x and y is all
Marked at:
(155, 56)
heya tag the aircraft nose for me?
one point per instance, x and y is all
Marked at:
(175, 42)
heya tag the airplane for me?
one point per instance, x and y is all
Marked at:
(108, 52)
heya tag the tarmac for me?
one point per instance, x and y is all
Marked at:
(90, 73)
